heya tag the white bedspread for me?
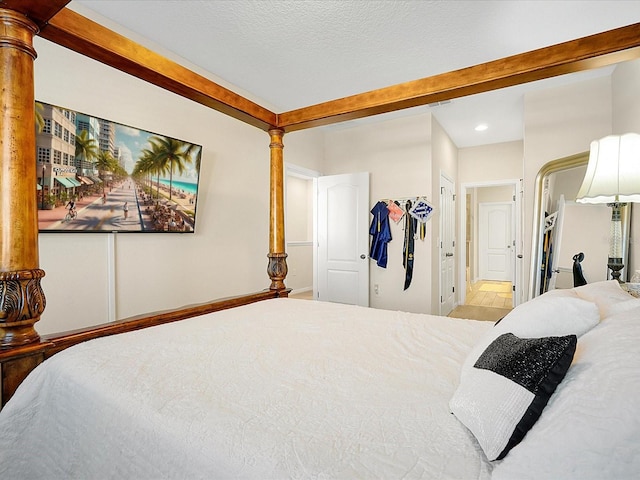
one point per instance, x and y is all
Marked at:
(279, 389)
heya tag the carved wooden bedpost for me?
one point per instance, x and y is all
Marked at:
(21, 297)
(277, 268)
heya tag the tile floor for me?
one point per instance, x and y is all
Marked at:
(489, 293)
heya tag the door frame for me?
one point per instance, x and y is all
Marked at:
(483, 262)
(441, 236)
(517, 281)
(307, 174)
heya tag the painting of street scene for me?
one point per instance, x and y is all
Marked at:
(95, 175)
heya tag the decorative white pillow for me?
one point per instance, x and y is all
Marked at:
(503, 395)
(605, 294)
(549, 315)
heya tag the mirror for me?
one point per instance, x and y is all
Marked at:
(563, 228)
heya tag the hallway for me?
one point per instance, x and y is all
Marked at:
(486, 300)
(489, 293)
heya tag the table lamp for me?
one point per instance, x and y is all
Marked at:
(613, 177)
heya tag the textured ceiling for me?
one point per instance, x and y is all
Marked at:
(287, 54)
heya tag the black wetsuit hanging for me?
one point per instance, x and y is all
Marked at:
(410, 226)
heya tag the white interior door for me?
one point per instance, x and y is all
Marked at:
(343, 239)
(474, 224)
(496, 243)
(447, 246)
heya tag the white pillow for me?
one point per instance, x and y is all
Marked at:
(488, 404)
(502, 396)
(605, 294)
(553, 314)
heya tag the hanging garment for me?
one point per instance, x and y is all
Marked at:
(407, 250)
(380, 233)
(395, 212)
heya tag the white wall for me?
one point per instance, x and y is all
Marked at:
(227, 255)
(444, 163)
(488, 163)
(502, 193)
(565, 183)
(397, 153)
(594, 245)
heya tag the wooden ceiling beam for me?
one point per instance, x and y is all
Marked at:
(78, 33)
(577, 55)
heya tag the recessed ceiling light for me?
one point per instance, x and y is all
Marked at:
(482, 127)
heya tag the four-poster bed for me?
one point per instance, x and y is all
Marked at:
(22, 300)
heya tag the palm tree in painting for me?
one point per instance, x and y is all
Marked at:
(171, 155)
(192, 150)
(149, 163)
(105, 163)
(142, 168)
(141, 171)
(86, 149)
(119, 171)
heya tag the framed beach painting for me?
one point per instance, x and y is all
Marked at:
(96, 175)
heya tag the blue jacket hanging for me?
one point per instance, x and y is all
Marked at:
(380, 233)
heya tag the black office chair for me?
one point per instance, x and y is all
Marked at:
(578, 277)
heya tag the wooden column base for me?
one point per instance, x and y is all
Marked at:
(277, 270)
(22, 301)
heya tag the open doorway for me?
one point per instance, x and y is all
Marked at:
(491, 226)
(299, 193)
(327, 260)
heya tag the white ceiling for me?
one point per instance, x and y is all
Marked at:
(287, 54)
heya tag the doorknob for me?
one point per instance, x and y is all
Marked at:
(448, 254)
(363, 256)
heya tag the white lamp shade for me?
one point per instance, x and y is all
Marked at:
(613, 172)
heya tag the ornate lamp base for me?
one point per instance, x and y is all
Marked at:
(615, 264)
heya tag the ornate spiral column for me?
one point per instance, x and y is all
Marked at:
(277, 268)
(22, 300)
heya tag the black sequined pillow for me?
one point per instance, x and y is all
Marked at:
(503, 395)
